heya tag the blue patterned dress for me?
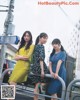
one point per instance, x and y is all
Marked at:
(55, 85)
(38, 55)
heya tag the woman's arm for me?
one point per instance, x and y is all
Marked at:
(42, 68)
(58, 68)
(50, 69)
(19, 57)
(26, 57)
(61, 59)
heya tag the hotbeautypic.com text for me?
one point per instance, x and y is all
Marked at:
(58, 3)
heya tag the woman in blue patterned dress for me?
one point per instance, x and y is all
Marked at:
(39, 67)
(57, 67)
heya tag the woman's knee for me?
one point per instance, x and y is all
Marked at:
(12, 83)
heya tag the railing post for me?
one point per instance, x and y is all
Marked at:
(46, 75)
(2, 76)
(69, 88)
(63, 86)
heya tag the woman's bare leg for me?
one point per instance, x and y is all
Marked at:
(13, 83)
(42, 85)
(55, 95)
(36, 90)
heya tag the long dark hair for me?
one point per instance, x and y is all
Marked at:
(44, 35)
(56, 41)
(22, 43)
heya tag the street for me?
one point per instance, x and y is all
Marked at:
(23, 93)
(20, 97)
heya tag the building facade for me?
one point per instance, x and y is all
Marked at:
(10, 51)
(74, 46)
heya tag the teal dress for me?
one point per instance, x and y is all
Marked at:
(55, 85)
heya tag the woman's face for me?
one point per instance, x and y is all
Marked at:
(56, 46)
(27, 37)
(43, 40)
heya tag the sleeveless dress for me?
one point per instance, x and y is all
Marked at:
(55, 85)
(21, 69)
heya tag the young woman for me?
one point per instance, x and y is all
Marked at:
(39, 67)
(57, 67)
(23, 57)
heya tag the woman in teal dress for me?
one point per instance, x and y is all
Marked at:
(57, 68)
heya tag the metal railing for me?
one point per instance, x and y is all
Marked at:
(46, 75)
(2, 76)
(70, 87)
(65, 95)
(63, 86)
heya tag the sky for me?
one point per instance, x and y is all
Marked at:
(56, 21)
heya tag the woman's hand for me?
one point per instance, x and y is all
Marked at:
(55, 75)
(21, 57)
(52, 74)
(18, 57)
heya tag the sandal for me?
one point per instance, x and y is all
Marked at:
(41, 89)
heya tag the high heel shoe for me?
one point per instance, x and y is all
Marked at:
(41, 89)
